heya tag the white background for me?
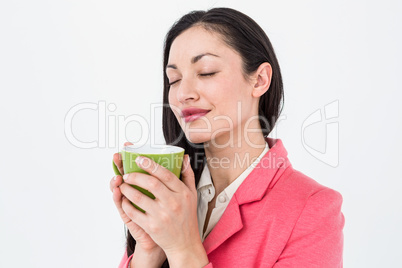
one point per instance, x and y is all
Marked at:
(55, 205)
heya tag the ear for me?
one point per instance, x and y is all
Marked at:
(262, 79)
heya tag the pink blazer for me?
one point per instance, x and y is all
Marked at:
(277, 218)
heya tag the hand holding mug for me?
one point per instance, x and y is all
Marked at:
(171, 216)
(147, 252)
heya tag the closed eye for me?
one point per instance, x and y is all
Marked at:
(208, 74)
(203, 75)
(174, 82)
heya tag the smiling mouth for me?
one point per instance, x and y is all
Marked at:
(193, 114)
(193, 117)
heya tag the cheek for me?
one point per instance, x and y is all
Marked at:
(171, 99)
(228, 92)
(173, 104)
(218, 91)
(234, 99)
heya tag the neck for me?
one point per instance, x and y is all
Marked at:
(226, 162)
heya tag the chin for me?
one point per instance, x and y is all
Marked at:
(198, 137)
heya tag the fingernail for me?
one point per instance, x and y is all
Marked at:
(139, 160)
(114, 178)
(125, 176)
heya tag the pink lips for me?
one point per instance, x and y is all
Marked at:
(192, 114)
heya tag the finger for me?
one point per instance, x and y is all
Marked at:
(115, 182)
(117, 161)
(135, 230)
(118, 198)
(135, 196)
(153, 186)
(187, 174)
(132, 213)
(160, 172)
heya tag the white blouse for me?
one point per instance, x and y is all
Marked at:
(206, 192)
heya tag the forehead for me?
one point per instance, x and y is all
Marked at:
(196, 40)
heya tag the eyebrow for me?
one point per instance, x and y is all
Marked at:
(193, 60)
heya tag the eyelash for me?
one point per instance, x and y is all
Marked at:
(170, 84)
(208, 74)
(203, 75)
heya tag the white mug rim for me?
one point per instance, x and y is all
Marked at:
(153, 149)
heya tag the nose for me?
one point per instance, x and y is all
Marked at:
(187, 91)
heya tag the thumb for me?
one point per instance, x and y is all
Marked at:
(187, 174)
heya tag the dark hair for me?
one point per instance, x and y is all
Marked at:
(246, 37)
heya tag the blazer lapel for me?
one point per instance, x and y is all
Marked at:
(263, 176)
(229, 224)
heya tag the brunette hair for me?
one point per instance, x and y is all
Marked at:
(247, 38)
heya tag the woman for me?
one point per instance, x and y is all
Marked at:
(239, 202)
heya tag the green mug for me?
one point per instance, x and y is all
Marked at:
(168, 156)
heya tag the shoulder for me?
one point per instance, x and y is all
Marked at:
(305, 187)
(316, 221)
(314, 208)
(295, 192)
